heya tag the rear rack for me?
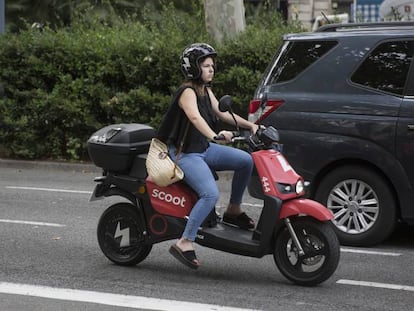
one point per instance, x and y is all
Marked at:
(364, 26)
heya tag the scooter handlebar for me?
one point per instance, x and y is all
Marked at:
(236, 137)
(265, 137)
(239, 139)
(219, 137)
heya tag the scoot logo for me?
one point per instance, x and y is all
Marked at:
(168, 197)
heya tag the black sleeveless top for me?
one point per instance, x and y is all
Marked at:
(175, 122)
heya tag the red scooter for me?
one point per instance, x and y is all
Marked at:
(296, 230)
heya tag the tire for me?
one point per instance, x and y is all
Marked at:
(363, 205)
(321, 247)
(120, 235)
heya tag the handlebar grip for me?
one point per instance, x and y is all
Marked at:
(219, 137)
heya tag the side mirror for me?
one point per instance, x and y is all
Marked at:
(225, 103)
(225, 106)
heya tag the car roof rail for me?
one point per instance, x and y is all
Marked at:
(363, 26)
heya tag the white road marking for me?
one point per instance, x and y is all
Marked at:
(243, 204)
(378, 285)
(33, 223)
(135, 302)
(252, 204)
(363, 251)
(49, 189)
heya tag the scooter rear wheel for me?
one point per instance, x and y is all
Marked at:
(321, 247)
(120, 235)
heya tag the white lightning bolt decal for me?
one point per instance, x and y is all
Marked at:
(124, 234)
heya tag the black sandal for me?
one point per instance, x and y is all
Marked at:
(188, 257)
(242, 220)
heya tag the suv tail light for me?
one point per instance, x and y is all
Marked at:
(257, 114)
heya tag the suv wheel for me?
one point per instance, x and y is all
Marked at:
(362, 202)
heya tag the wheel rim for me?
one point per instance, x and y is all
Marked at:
(315, 253)
(355, 206)
(122, 237)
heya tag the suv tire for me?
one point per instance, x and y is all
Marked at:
(362, 202)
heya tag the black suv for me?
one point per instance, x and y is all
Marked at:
(342, 98)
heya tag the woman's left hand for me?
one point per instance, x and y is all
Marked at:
(254, 128)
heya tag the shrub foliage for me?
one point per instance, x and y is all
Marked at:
(61, 85)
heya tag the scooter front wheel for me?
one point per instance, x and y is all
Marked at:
(120, 235)
(321, 251)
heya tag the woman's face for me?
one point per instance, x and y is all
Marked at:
(207, 69)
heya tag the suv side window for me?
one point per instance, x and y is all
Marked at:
(386, 68)
(296, 57)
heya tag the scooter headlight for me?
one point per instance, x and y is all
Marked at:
(300, 187)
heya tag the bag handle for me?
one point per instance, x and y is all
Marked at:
(180, 148)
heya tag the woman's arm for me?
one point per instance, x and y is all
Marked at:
(188, 102)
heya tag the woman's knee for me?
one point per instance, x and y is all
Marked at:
(211, 194)
(246, 160)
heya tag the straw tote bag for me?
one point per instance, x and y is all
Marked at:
(161, 169)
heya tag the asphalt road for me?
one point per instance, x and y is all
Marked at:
(50, 260)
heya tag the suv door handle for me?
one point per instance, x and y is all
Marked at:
(410, 127)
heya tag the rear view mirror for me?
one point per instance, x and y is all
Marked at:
(225, 106)
(225, 103)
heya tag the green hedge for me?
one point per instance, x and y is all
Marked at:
(62, 85)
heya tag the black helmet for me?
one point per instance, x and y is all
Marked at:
(190, 59)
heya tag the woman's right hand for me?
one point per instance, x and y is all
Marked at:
(223, 136)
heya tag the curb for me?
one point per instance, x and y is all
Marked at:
(49, 165)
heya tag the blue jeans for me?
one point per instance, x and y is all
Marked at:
(197, 174)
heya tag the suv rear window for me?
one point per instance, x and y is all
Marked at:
(295, 57)
(386, 68)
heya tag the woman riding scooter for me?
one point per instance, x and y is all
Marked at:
(191, 119)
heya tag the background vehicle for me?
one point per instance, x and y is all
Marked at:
(343, 100)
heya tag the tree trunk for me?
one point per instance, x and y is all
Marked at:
(2, 17)
(225, 18)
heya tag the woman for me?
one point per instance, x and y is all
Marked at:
(190, 121)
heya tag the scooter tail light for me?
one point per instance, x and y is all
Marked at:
(257, 113)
